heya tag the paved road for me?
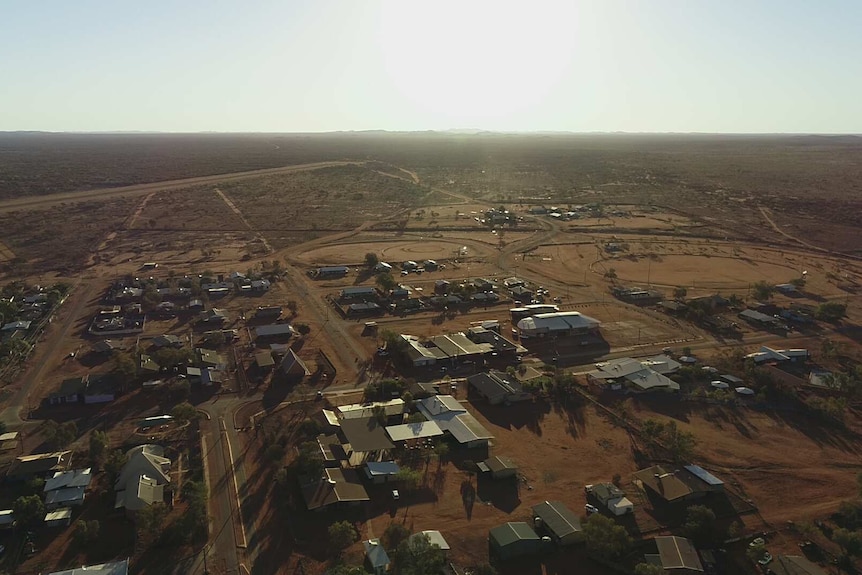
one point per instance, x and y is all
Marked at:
(45, 356)
(141, 189)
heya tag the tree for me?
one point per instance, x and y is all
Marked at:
(394, 534)
(762, 290)
(418, 556)
(98, 446)
(680, 443)
(680, 292)
(292, 306)
(648, 569)
(699, 524)
(386, 282)
(342, 534)
(308, 462)
(611, 274)
(149, 521)
(831, 311)
(87, 532)
(171, 356)
(28, 511)
(60, 435)
(798, 282)
(114, 462)
(274, 454)
(371, 259)
(411, 478)
(125, 368)
(302, 328)
(756, 553)
(849, 541)
(183, 412)
(604, 538)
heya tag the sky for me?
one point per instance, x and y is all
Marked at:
(725, 66)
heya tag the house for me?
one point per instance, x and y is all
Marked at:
(678, 485)
(71, 391)
(521, 294)
(453, 418)
(611, 497)
(264, 360)
(59, 518)
(393, 407)
(376, 557)
(434, 538)
(292, 366)
(330, 272)
(676, 555)
(7, 519)
(561, 524)
(512, 540)
(633, 375)
(365, 308)
(767, 354)
(209, 358)
(149, 364)
(142, 480)
(196, 305)
(39, 465)
(381, 267)
(560, 324)
(363, 293)
(16, 326)
(334, 486)
(274, 330)
(213, 316)
(498, 387)
(430, 265)
(499, 467)
(364, 435)
(793, 565)
(99, 389)
(413, 431)
(441, 287)
(114, 568)
(167, 340)
(211, 376)
(65, 479)
(409, 265)
(761, 319)
(381, 471)
(106, 346)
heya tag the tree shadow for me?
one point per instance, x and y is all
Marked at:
(468, 496)
(504, 493)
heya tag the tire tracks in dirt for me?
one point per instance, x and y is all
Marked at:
(239, 214)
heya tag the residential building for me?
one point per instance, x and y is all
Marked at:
(293, 367)
(38, 465)
(678, 485)
(452, 417)
(334, 486)
(143, 478)
(376, 557)
(559, 522)
(513, 540)
(676, 555)
(634, 376)
(498, 387)
(557, 324)
(611, 497)
(114, 568)
(498, 467)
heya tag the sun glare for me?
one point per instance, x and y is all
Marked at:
(480, 63)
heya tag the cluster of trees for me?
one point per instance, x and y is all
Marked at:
(59, 435)
(830, 311)
(409, 555)
(679, 443)
(385, 389)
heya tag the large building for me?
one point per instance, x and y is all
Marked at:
(558, 324)
(635, 375)
(452, 417)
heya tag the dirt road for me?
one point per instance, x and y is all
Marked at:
(140, 189)
(46, 356)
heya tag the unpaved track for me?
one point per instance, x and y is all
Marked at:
(139, 189)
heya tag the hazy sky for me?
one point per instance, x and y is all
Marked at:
(319, 65)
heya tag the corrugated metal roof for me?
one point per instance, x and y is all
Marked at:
(704, 475)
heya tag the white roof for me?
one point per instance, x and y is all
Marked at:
(414, 430)
(6, 517)
(382, 468)
(331, 418)
(438, 404)
(359, 410)
(435, 538)
(62, 513)
(114, 568)
(9, 436)
(557, 321)
(621, 503)
(448, 413)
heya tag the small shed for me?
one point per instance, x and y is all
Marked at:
(499, 467)
(514, 539)
(59, 518)
(381, 471)
(559, 522)
(375, 556)
(264, 360)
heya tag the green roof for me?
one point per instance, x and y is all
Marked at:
(512, 533)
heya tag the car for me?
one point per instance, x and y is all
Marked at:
(590, 509)
(765, 560)
(709, 369)
(666, 350)
(405, 273)
(757, 542)
(688, 359)
(395, 495)
(319, 394)
(719, 384)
